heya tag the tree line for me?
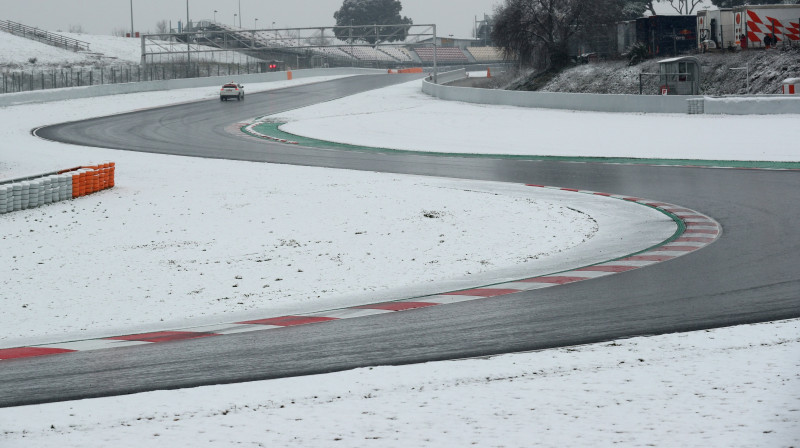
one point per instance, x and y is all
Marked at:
(529, 29)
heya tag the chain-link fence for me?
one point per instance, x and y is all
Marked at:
(26, 80)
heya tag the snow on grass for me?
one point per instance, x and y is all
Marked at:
(103, 50)
(726, 387)
(19, 51)
(173, 231)
(731, 387)
(453, 127)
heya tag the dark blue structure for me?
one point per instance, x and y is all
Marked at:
(667, 35)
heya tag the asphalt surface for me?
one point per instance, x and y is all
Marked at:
(749, 275)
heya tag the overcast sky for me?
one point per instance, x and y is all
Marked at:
(103, 16)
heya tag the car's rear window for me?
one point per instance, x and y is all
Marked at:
(229, 86)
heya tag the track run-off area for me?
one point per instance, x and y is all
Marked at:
(747, 275)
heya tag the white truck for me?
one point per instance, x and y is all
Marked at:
(762, 26)
(715, 29)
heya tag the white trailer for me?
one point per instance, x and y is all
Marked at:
(766, 25)
(715, 29)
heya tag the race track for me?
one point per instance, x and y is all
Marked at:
(749, 275)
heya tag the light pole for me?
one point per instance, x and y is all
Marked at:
(240, 14)
(255, 26)
(234, 18)
(215, 16)
(132, 19)
(746, 69)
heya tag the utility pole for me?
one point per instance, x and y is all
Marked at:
(132, 34)
(188, 45)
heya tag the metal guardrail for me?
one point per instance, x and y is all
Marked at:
(43, 36)
(37, 176)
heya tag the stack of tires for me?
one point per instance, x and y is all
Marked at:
(53, 187)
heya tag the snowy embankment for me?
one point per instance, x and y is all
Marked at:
(164, 231)
(19, 52)
(727, 387)
(731, 387)
(442, 126)
(755, 71)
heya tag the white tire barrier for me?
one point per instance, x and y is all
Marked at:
(36, 191)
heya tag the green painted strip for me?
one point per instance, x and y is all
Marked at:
(273, 130)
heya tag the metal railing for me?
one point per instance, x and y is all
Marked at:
(43, 36)
(13, 81)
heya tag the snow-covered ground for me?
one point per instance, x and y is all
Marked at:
(442, 126)
(164, 231)
(726, 387)
(25, 52)
(731, 387)
(21, 52)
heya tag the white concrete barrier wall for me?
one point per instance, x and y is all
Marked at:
(451, 76)
(752, 105)
(40, 96)
(551, 100)
(678, 104)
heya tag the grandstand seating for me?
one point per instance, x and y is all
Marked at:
(485, 54)
(443, 54)
(366, 53)
(332, 52)
(277, 44)
(397, 53)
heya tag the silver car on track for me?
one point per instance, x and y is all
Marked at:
(231, 90)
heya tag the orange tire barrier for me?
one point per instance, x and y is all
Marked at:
(41, 189)
(406, 70)
(76, 182)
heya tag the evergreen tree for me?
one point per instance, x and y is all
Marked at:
(365, 15)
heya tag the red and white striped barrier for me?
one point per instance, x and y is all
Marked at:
(699, 231)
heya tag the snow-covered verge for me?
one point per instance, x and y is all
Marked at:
(26, 54)
(171, 231)
(735, 387)
(20, 52)
(731, 387)
(453, 127)
(767, 70)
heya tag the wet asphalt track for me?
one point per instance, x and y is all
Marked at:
(751, 274)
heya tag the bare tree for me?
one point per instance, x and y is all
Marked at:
(162, 27)
(684, 7)
(649, 6)
(77, 29)
(521, 27)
